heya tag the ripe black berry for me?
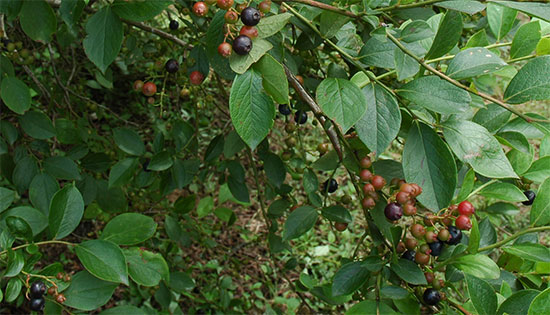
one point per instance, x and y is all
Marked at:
(409, 255)
(37, 304)
(171, 66)
(174, 25)
(393, 211)
(530, 197)
(436, 248)
(330, 185)
(300, 117)
(242, 45)
(37, 289)
(284, 109)
(456, 235)
(431, 297)
(250, 16)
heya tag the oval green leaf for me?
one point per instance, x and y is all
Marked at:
(104, 260)
(129, 229)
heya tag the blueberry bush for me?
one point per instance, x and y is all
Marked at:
(301, 156)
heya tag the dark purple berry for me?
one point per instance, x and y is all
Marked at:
(456, 235)
(300, 117)
(37, 289)
(409, 255)
(530, 197)
(174, 25)
(37, 304)
(436, 248)
(250, 16)
(284, 109)
(171, 66)
(431, 297)
(393, 211)
(242, 45)
(330, 185)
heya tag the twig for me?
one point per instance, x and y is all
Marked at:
(324, 6)
(58, 80)
(460, 85)
(459, 307)
(35, 80)
(158, 32)
(408, 6)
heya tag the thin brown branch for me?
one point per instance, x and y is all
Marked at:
(158, 32)
(35, 80)
(324, 6)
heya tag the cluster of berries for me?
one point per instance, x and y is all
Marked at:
(16, 52)
(250, 17)
(373, 183)
(38, 289)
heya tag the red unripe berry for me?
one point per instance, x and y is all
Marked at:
(365, 162)
(151, 100)
(249, 31)
(409, 209)
(300, 79)
(424, 248)
(418, 230)
(339, 226)
(240, 7)
(225, 49)
(138, 84)
(365, 175)
(463, 222)
(231, 17)
(400, 247)
(149, 89)
(378, 182)
(422, 258)
(466, 208)
(224, 4)
(411, 243)
(367, 188)
(443, 235)
(407, 188)
(417, 189)
(265, 6)
(429, 276)
(200, 8)
(430, 237)
(446, 221)
(368, 203)
(196, 77)
(403, 197)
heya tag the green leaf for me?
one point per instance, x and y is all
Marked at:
(160, 161)
(139, 11)
(252, 111)
(129, 229)
(448, 35)
(493, 117)
(24, 172)
(370, 307)
(487, 233)
(38, 20)
(474, 239)
(88, 293)
(15, 94)
(331, 23)
(478, 265)
(473, 62)
(518, 303)
(271, 25)
(539, 170)
(467, 6)
(380, 124)
(128, 141)
(240, 63)
(525, 40)
(34, 218)
(274, 78)
(529, 251)
(479, 39)
(18, 227)
(482, 295)
(531, 83)
(66, 210)
(501, 19)
(104, 38)
(41, 191)
(205, 206)
(16, 262)
(436, 94)
(408, 271)
(70, 11)
(181, 282)
(474, 145)
(378, 52)
(503, 191)
(337, 213)
(428, 161)
(299, 222)
(540, 210)
(341, 101)
(536, 9)
(274, 169)
(415, 31)
(37, 125)
(311, 182)
(405, 65)
(104, 260)
(540, 303)
(146, 268)
(6, 198)
(13, 288)
(214, 36)
(62, 167)
(124, 309)
(349, 278)
(122, 172)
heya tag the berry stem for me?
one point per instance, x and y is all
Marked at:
(38, 244)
